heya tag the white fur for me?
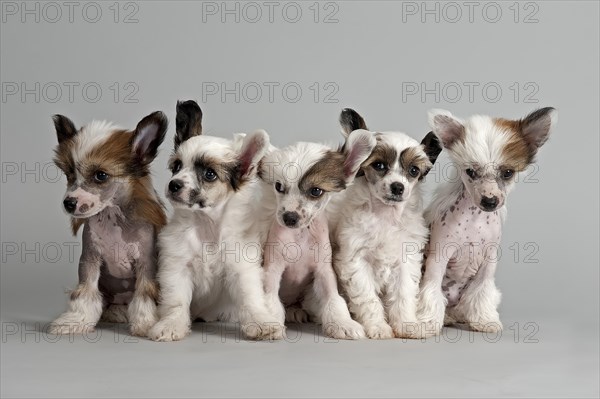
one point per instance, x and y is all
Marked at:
(206, 266)
(379, 244)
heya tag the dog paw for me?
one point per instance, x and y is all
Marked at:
(140, 328)
(294, 314)
(348, 329)
(406, 330)
(264, 331)
(428, 328)
(379, 331)
(168, 330)
(71, 323)
(487, 327)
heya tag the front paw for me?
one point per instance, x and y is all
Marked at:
(348, 329)
(71, 323)
(493, 326)
(428, 328)
(168, 330)
(379, 331)
(140, 327)
(264, 331)
(294, 314)
(142, 318)
(406, 330)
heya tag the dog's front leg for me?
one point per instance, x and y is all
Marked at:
(363, 301)
(175, 278)
(273, 268)
(478, 304)
(85, 306)
(142, 312)
(401, 296)
(244, 280)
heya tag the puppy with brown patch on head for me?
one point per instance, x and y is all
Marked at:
(297, 254)
(380, 230)
(110, 193)
(467, 213)
(205, 269)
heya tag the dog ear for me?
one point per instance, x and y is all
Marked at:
(358, 147)
(536, 127)
(188, 122)
(148, 135)
(254, 147)
(446, 127)
(65, 129)
(432, 147)
(350, 121)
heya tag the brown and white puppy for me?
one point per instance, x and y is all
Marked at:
(379, 231)
(467, 213)
(110, 193)
(299, 181)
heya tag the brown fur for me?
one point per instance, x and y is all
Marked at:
(516, 152)
(414, 156)
(147, 289)
(226, 172)
(327, 174)
(382, 153)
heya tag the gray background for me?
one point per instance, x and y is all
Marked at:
(371, 55)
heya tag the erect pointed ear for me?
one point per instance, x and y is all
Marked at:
(431, 146)
(254, 147)
(188, 122)
(446, 127)
(536, 127)
(350, 121)
(65, 129)
(358, 147)
(148, 135)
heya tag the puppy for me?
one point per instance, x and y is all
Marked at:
(380, 232)
(202, 273)
(466, 215)
(297, 258)
(109, 192)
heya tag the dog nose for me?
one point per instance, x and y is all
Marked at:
(397, 188)
(70, 204)
(489, 202)
(175, 185)
(290, 219)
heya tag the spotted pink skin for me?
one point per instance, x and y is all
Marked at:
(303, 251)
(465, 236)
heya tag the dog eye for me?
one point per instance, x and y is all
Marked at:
(471, 173)
(100, 176)
(210, 174)
(316, 192)
(379, 166)
(176, 166)
(414, 171)
(507, 174)
(279, 187)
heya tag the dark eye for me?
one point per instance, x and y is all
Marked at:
(507, 174)
(279, 187)
(176, 166)
(379, 166)
(100, 176)
(471, 173)
(413, 171)
(210, 174)
(316, 192)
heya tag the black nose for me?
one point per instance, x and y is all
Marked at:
(290, 219)
(175, 185)
(397, 188)
(70, 204)
(489, 202)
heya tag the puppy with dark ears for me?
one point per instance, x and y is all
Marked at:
(379, 231)
(467, 213)
(299, 181)
(200, 273)
(110, 193)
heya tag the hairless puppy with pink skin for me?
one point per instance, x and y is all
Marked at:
(466, 215)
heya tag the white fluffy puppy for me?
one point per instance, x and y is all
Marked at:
(300, 180)
(203, 269)
(379, 232)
